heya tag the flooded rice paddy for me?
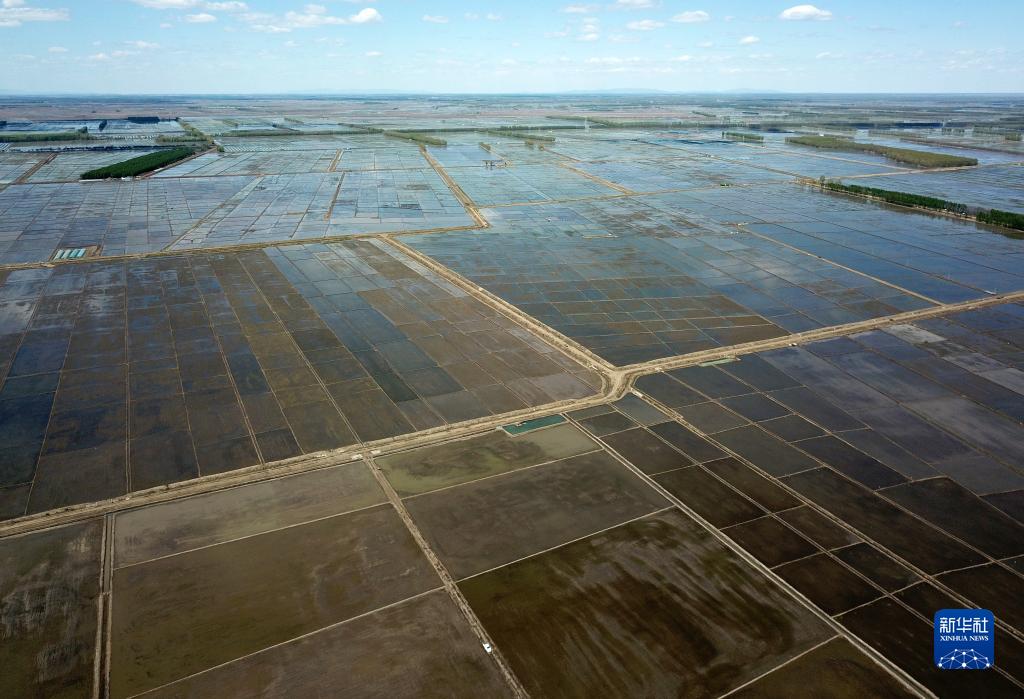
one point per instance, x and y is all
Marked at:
(362, 470)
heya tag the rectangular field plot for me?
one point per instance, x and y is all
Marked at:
(419, 647)
(49, 582)
(632, 284)
(941, 258)
(125, 376)
(971, 147)
(300, 207)
(257, 163)
(68, 167)
(393, 155)
(485, 524)
(14, 165)
(577, 619)
(121, 217)
(993, 187)
(606, 145)
(780, 157)
(816, 164)
(678, 173)
(257, 591)
(467, 150)
(393, 151)
(524, 183)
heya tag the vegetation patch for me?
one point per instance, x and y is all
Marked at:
(901, 198)
(741, 136)
(1007, 219)
(261, 132)
(900, 155)
(139, 165)
(81, 134)
(997, 217)
(180, 138)
(191, 132)
(416, 137)
(521, 135)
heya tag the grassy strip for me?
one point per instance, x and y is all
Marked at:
(260, 132)
(900, 155)
(191, 132)
(1007, 219)
(39, 136)
(520, 135)
(741, 136)
(187, 138)
(641, 123)
(417, 138)
(139, 165)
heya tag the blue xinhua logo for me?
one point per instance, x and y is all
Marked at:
(965, 639)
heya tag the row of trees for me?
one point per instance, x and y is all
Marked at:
(1007, 219)
(919, 158)
(140, 165)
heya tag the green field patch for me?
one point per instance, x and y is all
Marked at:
(139, 165)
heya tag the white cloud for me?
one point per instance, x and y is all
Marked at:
(435, 19)
(644, 25)
(578, 9)
(200, 18)
(634, 4)
(829, 55)
(112, 55)
(167, 4)
(803, 12)
(748, 40)
(373, 54)
(143, 44)
(684, 58)
(364, 16)
(692, 17)
(57, 49)
(310, 16)
(15, 12)
(490, 17)
(706, 44)
(231, 6)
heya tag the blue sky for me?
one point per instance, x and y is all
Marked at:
(207, 46)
